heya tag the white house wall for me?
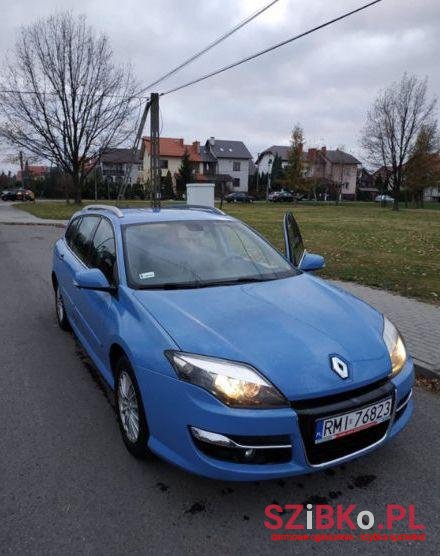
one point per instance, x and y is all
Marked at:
(225, 166)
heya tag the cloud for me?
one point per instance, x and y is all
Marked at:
(325, 81)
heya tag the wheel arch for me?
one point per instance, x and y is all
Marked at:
(54, 280)
(115, 353)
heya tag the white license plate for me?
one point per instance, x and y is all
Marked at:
(330, 428)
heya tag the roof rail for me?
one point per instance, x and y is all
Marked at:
(111, 208)
(204, 208)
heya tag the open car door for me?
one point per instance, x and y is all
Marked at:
(293, 242)
(294, 246)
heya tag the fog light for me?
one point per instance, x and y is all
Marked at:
(249, 454)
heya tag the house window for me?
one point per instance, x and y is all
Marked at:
(236, 166)
(236, 182)
(163, 164)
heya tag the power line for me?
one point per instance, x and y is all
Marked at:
(21, 92)
(266, 50)
(209, 46)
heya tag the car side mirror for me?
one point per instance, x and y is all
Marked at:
(93, 279)
(310, 261)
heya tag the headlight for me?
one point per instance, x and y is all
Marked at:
(235, 384)
(395, 345)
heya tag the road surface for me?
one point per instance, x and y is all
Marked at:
(68, 485)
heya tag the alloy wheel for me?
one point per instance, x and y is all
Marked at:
(128, 407)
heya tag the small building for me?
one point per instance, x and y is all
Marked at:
(233, 160)
(171, 151)
(265, 158)
(33, 173)
(328, 166)
(432, 193)
(113, 164)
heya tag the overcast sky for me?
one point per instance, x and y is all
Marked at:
(325, 82)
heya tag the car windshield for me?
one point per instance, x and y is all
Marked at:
(198, 253)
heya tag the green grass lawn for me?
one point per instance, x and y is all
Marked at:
(361, 242)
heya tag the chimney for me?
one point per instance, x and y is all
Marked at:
(181, 141)
(212, 141)
(196, 145)
(324, 150)
(312, 154)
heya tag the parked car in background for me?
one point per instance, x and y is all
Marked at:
(18, 195)
(239, 197)
(281, 197)
(227, 357)
(384, 199)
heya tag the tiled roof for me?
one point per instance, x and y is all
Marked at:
(206, 155)
(228, 149)
(34, 171)
(175, 147)
(340, 157)
(119, 156)
(281, 150)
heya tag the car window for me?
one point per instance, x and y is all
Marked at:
(71, 231)
(198, 252)
(103, 250)
(80, 242)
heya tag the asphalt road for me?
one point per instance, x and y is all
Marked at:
(68, 486)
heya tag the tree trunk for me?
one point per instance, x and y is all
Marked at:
(76, 187)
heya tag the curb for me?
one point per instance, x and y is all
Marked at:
(426, 372)
(55, 224)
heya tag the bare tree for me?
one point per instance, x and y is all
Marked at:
(63, 98)
(393, 124)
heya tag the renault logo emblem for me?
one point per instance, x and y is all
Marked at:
(339, 366)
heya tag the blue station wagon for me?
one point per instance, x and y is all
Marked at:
(227, 357)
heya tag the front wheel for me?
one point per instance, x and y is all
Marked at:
(63, 321)
(130, 411)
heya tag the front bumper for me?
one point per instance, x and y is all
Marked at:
(173, 406)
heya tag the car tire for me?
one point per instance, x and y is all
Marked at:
(130, 411)
(60, 310)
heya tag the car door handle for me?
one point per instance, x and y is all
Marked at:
(61, 255)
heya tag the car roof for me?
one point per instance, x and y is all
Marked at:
(147, 215)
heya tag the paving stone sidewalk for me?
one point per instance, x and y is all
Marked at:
(12, 215)
(419, 322)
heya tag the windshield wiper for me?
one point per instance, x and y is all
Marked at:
(173, 286)
(235, 281)
(206, 284)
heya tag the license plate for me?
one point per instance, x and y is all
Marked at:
(330, 428)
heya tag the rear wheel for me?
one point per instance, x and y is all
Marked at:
(60, 310)
(130, 411)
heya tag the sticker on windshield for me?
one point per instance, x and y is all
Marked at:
(146, 275)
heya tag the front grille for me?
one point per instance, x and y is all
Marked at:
(309, 411)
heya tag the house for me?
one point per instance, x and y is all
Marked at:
(171, 151)
(113, 164)
(31, 173)
(233, 161)
(432, 193)
(365, 186)
(265, 158)
(341, 168)
(207, 172)
(330, 167)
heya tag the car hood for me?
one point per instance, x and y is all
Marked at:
(287, 329)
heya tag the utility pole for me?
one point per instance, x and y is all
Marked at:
(155, 171)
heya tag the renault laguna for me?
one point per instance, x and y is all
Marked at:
(228, 358)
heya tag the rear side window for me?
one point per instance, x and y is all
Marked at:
(81, 240)
(71, 231)
(103, 251)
